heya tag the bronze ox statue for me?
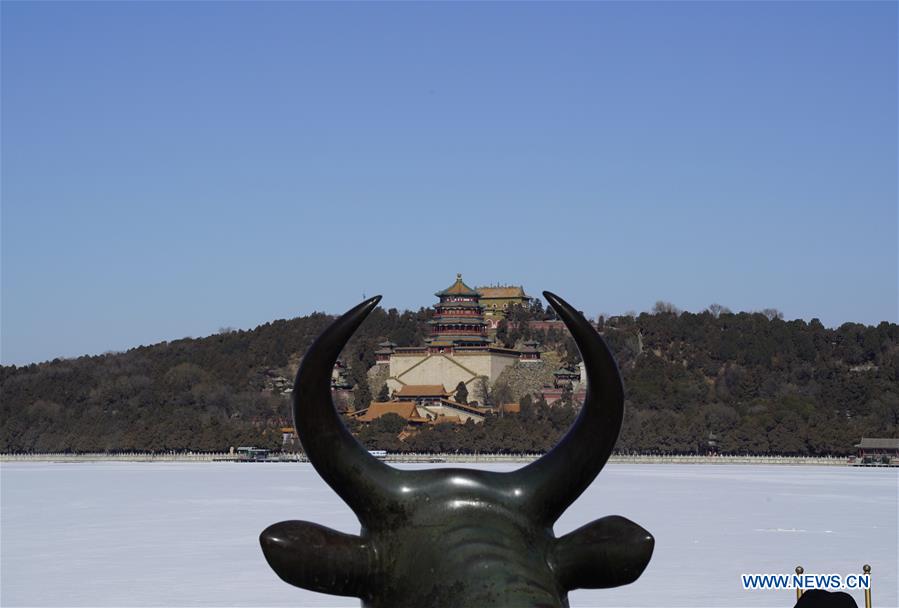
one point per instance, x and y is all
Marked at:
(458, 537)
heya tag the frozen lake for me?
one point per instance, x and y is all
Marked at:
(186, 534)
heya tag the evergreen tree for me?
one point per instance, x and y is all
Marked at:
(461, 395)
(502, 333)
(384, 393)
(361, 396)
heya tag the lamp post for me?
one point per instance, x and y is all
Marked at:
(867, 570)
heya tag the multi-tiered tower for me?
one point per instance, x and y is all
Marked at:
(458, 318)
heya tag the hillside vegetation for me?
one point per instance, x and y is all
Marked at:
(749, 382)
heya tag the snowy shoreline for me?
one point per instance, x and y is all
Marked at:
(433, 458)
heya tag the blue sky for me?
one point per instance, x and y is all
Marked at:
(172, 168)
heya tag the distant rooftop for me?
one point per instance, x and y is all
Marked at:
(459, 288)
(879, 443)
(503, 291)
(403, 409)
(422, 390)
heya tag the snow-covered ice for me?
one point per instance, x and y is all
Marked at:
(186, 534)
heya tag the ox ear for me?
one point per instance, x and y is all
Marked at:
(313, 557)
(608, 552)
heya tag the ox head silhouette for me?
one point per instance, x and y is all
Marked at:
(458, 537)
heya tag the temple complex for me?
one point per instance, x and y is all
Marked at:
(458, 347)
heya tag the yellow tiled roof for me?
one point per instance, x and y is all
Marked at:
(501, 292)
(422, 390)
(403, 409)
(457, 289)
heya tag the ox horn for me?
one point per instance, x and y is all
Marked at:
(550, 484)
(359, 478)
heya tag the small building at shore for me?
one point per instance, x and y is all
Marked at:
(878, 451)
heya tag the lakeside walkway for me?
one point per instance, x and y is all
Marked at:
(430, 458)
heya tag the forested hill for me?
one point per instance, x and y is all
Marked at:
(203, 394)
(755, 383)
(759, 385)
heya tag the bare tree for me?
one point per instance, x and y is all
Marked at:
(717, 310)
(502, 394)
(480, 391)
(665, 308)
(772, 313)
